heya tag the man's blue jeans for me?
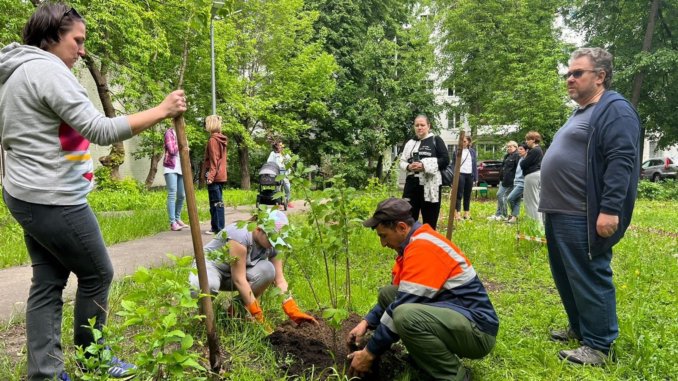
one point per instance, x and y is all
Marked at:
(584, 282)
(513, 200)
(502, 195)
(215, 195)
(175, 195)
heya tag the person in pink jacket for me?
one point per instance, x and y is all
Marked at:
(174, 181)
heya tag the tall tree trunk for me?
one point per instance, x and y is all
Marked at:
(243, 156)
(153, 170)
(116, 157)
(638, 78)
(243, 159)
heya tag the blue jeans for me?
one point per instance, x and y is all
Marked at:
(513, 199)
(215, 195)
(61, 240)
(175, 195)
(584, 282)
(502, 193)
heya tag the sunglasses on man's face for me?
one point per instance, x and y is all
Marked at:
(577, 73)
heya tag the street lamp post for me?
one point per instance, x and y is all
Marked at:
(216, 5)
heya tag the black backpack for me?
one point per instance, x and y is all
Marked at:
(447, 174)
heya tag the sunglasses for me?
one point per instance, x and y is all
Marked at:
(73, 13)
(577, 73)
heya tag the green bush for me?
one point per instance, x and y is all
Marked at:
(103, 180)
(661, 191)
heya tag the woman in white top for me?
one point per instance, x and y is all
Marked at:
(468, 175)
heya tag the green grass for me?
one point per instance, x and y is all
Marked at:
(516, 273)
(122, 217)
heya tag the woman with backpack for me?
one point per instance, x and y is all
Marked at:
(423, 159)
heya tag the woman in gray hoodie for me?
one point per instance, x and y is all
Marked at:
(47, 123)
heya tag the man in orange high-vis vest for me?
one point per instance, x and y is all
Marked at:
(436, 303)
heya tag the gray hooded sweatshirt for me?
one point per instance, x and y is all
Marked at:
(46, 125)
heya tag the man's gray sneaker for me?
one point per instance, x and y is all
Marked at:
(564, 335)
(584, 355)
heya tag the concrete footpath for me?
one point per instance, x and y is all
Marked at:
(126, 257)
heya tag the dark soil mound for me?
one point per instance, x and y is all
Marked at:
(315, 349)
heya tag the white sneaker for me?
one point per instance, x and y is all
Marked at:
(494, 218)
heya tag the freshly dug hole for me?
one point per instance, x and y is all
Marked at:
(310, 346)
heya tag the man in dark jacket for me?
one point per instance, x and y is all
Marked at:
(506, 176)
(589, 183)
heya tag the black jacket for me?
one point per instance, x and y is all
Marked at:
(508, 169)
(613, 159)
(532, 161)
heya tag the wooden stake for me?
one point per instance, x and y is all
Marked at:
(194, 222)
(455, 185)
(196, 236)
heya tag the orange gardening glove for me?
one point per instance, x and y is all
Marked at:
(255, 310)
(292, 310)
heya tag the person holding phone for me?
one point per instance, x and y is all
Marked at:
(422, 160)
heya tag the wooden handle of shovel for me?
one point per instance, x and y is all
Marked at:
(206, 302)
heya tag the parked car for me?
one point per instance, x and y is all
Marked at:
(658, 168)
(488, 171)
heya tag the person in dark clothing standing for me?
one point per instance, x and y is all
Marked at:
(468, 175)
(422, 159)
(215, 167)
(506, 176)
(588, 193)
(531, 166)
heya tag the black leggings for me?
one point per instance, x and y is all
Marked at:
(414, 192)
(465, 187)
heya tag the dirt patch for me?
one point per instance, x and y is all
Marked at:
(491, 286)
(13, 342)
(308, 348)
(654, 231)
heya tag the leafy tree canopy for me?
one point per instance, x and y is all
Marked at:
(502, 60)
(620, 26)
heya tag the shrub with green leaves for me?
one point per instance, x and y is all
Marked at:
(94, 360)
(104, 181)
(659, 191)
(161, 324)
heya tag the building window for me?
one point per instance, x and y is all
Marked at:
(451, 121)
